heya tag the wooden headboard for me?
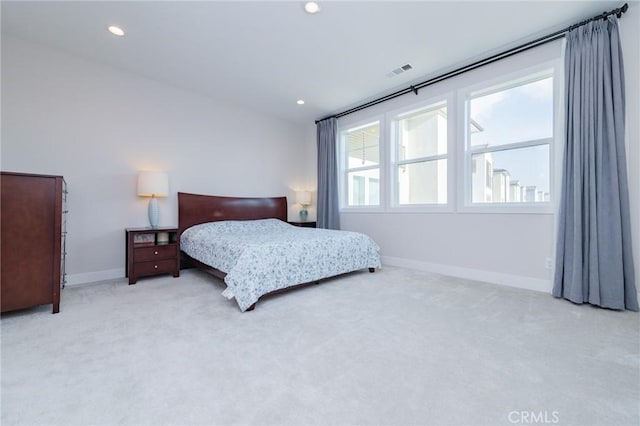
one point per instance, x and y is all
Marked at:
(194, 209)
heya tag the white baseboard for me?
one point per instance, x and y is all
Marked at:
(517, 281)
(508, 280)
(90, 277)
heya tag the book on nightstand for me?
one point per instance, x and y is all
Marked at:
(144, 239)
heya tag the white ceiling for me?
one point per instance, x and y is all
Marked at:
(266, 55)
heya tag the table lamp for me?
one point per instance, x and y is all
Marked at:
(154, 185)
(304, 199)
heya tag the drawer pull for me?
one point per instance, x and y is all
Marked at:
(155, 266)
(155, 252)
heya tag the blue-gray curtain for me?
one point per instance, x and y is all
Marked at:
(328, 209)
(594, 263)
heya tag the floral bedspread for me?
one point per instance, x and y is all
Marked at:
(260, 256)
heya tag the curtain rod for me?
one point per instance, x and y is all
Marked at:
(502, 55)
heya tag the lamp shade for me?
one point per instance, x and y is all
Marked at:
(303, 197)
(153, 184)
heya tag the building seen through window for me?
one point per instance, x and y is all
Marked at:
(510, 132)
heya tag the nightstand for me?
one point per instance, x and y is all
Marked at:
(303, 224)
(152, 251)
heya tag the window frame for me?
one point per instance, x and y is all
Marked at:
(344, 170)
(466, 152)
(392, 117)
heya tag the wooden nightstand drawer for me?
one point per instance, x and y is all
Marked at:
(145, 254)
(303, 224)
(166, 266)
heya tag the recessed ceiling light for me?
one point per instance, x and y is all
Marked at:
(300, 102)
(311, 7)
(116, 30)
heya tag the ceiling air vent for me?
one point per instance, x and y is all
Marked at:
(400, 70)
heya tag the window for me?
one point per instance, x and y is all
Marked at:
(486, 147)
(509, 130)
(360, 148)
(420, 156)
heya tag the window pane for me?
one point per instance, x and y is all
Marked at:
(423, 183)
(511, 176)
(374, 191)
(357, 195)
(422, 134)
(364, 188)
(363, 146)
(517, 114)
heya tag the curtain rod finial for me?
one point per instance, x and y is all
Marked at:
(622, 10)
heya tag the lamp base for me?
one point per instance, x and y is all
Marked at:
(303, 215)
(154, 212)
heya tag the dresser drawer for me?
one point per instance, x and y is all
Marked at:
(145, 254)
(167, 266)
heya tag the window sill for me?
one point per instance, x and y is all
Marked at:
(509, 208)
(422, 208)
(375, 209)
(545, 209)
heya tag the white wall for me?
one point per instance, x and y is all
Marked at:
(507, 249)
(98, 126)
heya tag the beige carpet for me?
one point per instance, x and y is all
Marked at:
(390, 348)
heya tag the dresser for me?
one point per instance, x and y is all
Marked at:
(32, 238)
(151, 251)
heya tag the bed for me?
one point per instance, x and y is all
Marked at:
(248, 244)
